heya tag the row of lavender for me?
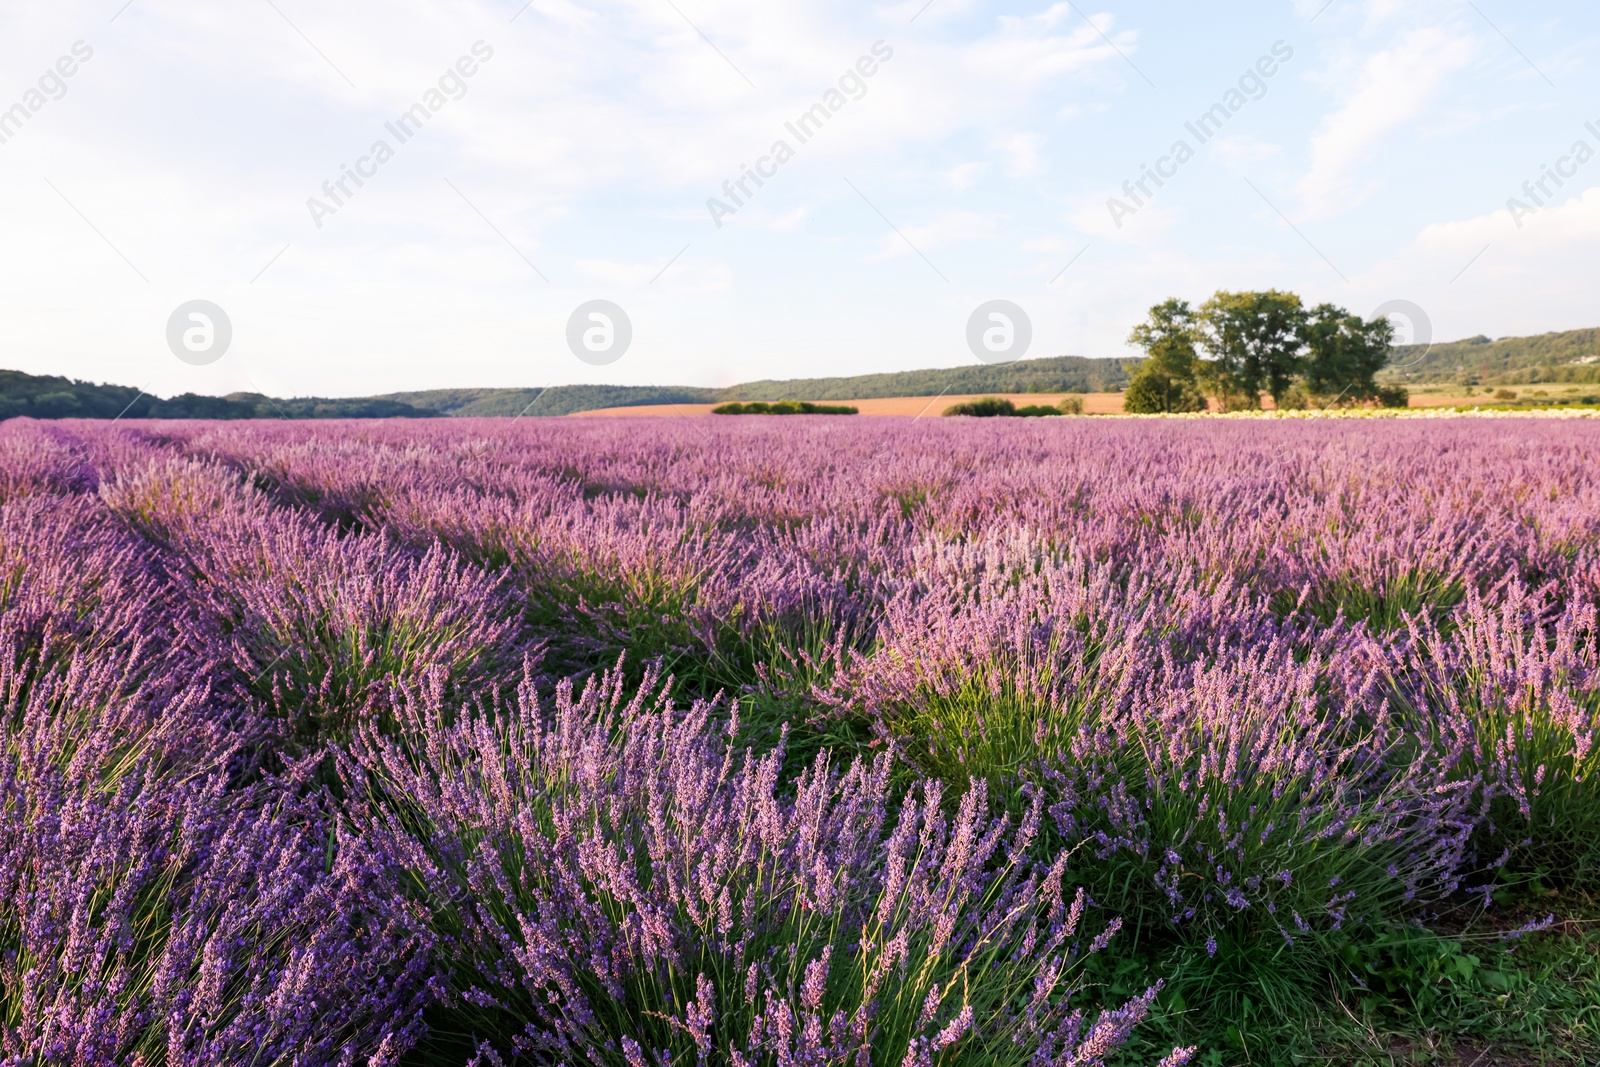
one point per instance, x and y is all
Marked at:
(340, 743)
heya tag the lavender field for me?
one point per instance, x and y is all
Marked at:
(792, 741)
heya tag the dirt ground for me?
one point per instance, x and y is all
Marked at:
(1093, 404)
(914, 406)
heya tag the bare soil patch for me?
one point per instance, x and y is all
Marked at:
(909, 406)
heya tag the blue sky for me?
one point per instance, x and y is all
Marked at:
(577, 159)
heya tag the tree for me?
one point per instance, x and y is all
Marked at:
(1155, 394)
(1344, 354)
(1255, 342)
(1252, 344)
(1165, 381)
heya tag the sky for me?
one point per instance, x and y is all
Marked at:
(1376, 154)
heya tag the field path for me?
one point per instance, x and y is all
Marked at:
(1093, 404)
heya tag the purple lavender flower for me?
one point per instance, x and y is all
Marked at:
(1330, 669)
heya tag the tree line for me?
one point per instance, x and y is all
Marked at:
(1236, 347)
(49, 396)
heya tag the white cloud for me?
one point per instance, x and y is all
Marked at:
(1245, 149)
(1393, 88)
(1045, 245)
(1567, 224)
(753, 217)
(1068, 112)
(964, 177)
(687, 273)
(926, 13)
(1023, 148)
(1030, 49)
(1148, 224)
(613, 273)
(1484, 274)
(942, 230)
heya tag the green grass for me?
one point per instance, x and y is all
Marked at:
(1458, 994)
(1382, 605)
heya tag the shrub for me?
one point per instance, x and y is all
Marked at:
(990, 407)
(324, 628)
(320, 626)
(1150, 393)
(1217, 779)
(35, 462)
(1393, 396)
(1505, 394)
(1298, 399)
(618, 886)
(1517, 689)
(1070, 405)
(153, 911)
(783, 407)
(72, 579)
(984, 408)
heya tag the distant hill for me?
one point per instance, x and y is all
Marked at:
(1058, 374)
(1573, 356)
(51, 397)
(557, 400)
(46, 396)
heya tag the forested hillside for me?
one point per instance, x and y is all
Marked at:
(48, 396)
(1573, 356)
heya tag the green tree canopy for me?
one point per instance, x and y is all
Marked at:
(1237, 346)
(1251, 343)
(1165, 381)
(1343, 356)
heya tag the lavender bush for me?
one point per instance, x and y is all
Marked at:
(316, 741)
(152, 911)
(320, 626)
(614, 884)
(1221, 773)
(1515, 689)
